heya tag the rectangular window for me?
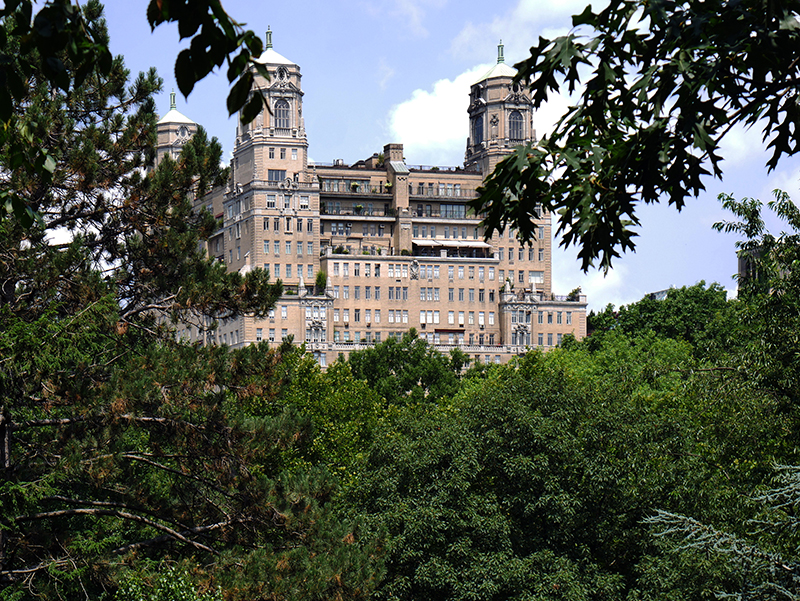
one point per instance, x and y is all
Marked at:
(346, 292)
(377, 319)
(549, 340)
(357, 292)
(336, 292)
(294, 154)
(549, 318)
(367, 292)
(569, 318)
(288, 271)
(336, 315)
(451, 317)
(460, 272)
(259, 334)
(346, 270)
(310, 248)
(451, 294)
(270, 201)
(276, 224)
(472, 295)
(405, 315)
(471, 316)
(272, 153)
(288, 247)
(284, 312)
(276, 270)
(357, 315)
(368, 315)
(299, 249)
(558, 317)
(450, 272)
(461, 318)
(377, 293)
(491, 274)
(356, 269)
(367, 267)
(283, 153)
(491, 318)
(461, 294)
(480, 318)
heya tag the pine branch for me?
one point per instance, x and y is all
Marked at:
(118, 514)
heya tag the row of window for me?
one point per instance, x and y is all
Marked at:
(283, 152)
(275, 272)
(275, 247)
(533, 254)
(288, 201)
(290, 224)
(460, 338)
(368, 315)
(435, 189)
(341, 228)
(524, 316)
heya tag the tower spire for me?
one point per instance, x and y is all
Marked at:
(269, 38)
(500, 58)
(172, 105)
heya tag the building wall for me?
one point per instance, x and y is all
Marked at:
(398, 244)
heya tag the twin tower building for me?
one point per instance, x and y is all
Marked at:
(369, 250)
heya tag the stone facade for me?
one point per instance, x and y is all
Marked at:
(397, 243)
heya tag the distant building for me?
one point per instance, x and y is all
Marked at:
(397, 243)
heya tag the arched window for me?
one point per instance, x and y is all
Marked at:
(516, 128)
(282, 114)
(477, 134)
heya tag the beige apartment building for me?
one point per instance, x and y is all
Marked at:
(397, 244)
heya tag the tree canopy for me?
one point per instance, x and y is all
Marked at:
(63, 43)
(660, 85)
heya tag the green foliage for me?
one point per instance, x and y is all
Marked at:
(771, 292)
(64, 43)
(661, 83)
(697, 314)
(533, 482)
(321, 282)
(407, 371)
(169, 585)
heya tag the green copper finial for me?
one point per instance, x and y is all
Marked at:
(172, 105)
(500, 58)
(269, 37)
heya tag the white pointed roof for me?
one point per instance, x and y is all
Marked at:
(174, 116)
(269, 56)
(501, 69)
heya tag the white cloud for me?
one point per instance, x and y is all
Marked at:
(432, 124)
(519, 28)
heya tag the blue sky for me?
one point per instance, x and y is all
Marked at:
(399, 71)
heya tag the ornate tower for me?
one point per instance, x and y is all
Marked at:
(500, 116)
(274, 146)
(174, 129)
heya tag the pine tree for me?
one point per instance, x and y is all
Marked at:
(121, 447)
